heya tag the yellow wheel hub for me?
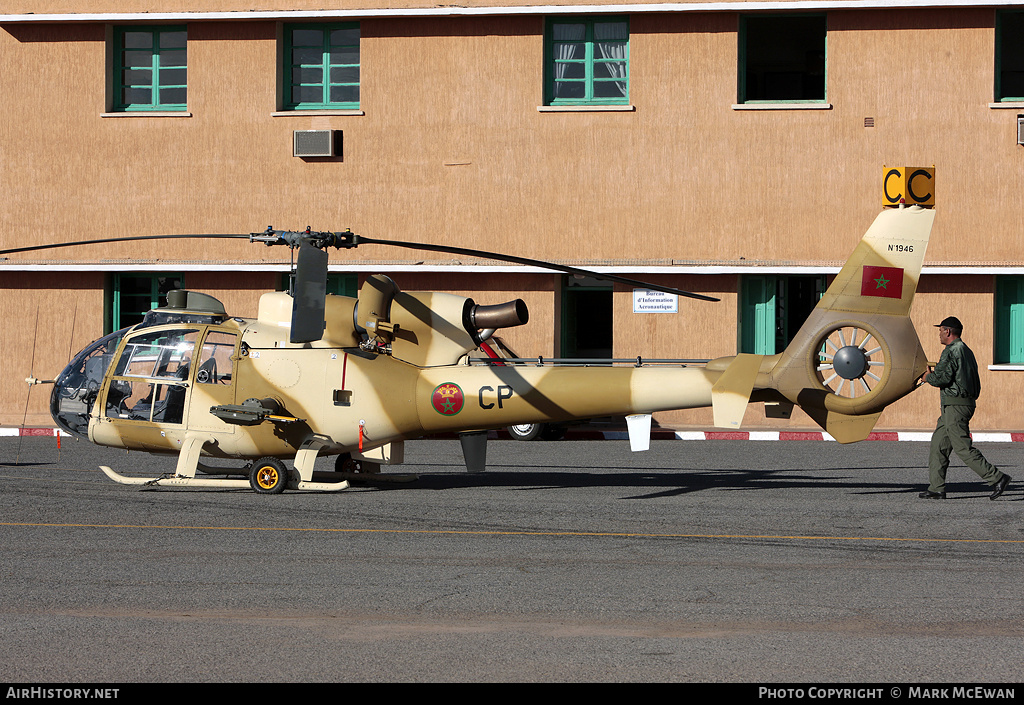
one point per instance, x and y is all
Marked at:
(267, 477)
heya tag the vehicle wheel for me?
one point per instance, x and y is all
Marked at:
(346, 463)
(525, 431)
(268, 476)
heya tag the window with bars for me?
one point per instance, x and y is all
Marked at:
(322, 66)
(151, 70)
(587, 61)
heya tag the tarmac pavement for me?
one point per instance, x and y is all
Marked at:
(715, 561)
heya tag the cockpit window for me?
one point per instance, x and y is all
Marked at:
(161, 354)
(215, 358)
(76, 387)
(150, 377)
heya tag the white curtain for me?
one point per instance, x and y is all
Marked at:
(612, 42)
(567, 38)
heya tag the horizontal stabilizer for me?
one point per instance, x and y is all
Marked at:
(730, 394)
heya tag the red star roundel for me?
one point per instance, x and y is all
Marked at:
(882, 281)
(447, 399)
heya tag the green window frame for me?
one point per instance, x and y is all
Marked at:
(782, 58)
(773, 307)
(757, 315)
(587, 61)
(133, 295)
(151, 68)
(1009, 323)
(338, 283)
(346, 284)
(1009, 72)
(321, 63)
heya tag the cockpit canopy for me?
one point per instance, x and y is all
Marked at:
(160, 355)
(76, 387)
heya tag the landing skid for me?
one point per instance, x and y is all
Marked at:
(268, 475)
(223, 483)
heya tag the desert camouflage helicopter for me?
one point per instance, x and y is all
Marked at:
(355, 377)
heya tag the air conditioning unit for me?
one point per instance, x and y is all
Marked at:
(313, 143)
(1020, 129)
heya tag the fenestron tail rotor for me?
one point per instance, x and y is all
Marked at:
(851, 361)
(857, 351)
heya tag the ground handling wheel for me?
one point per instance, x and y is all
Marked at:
(268, 476)
(525, 431)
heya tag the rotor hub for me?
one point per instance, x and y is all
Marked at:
(850, 362)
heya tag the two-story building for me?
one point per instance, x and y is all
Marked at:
(728, 148)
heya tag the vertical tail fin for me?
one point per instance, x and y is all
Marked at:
(858, 351)
(881, 275)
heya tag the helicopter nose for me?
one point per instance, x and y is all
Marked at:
(68, 405)
(78, 384)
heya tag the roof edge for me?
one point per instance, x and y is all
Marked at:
(449, 11)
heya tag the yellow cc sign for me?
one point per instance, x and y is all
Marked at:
(908, 184)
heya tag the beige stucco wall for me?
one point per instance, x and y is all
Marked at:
(451, 148)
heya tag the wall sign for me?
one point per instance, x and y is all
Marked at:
(646, 301)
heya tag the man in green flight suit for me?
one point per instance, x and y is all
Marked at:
(956, 375)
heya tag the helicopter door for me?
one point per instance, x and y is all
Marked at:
(150, 380)
(214, 383)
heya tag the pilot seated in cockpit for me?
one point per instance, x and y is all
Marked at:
(169, 406)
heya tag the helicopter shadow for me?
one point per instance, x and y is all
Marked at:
(652, 483)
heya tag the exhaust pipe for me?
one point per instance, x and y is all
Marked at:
(490, 318)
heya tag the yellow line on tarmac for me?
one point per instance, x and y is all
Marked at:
(582, 534)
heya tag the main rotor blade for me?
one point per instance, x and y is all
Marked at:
(104, 241)
(359, 239)
(484, 254)
(310, 291)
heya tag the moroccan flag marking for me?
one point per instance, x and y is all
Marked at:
(447, 399)
(882, 281)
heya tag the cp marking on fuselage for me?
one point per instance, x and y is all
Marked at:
(504, 392)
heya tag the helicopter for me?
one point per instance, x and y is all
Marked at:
(316, 374)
